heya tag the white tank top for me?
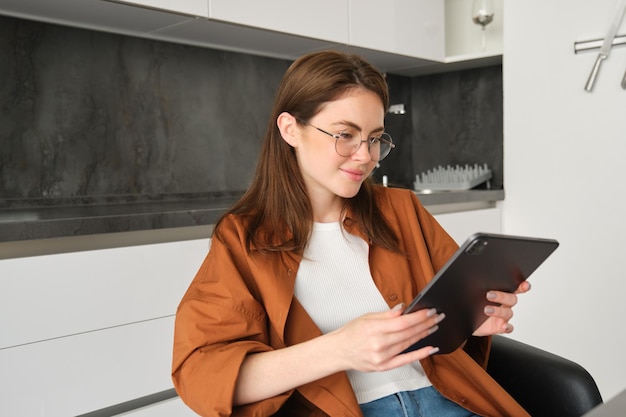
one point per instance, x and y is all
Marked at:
(335, 286)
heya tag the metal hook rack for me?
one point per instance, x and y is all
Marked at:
(593, 44)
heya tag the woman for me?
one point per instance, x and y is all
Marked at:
(297, 308)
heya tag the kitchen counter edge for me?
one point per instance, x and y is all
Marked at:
(46, 230)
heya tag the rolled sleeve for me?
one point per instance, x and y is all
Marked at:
(218, 323)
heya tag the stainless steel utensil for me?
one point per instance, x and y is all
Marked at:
(605, 50)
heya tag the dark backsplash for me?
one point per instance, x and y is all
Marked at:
(90, 114)
(452, 118)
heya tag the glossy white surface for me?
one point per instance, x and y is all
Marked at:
(87, 330)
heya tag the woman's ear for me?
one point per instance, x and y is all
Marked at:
(288, 127)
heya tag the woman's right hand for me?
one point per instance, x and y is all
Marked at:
(374, 342)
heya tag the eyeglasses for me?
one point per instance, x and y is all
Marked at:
(349, 140)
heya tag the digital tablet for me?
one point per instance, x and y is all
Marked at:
(485, 262)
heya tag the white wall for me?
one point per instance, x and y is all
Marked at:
(464, 224)
(564, 152)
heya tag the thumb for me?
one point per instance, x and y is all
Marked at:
(397, 309)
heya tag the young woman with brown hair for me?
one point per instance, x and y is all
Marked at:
(297, 308)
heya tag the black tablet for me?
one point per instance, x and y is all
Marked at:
(485, 262)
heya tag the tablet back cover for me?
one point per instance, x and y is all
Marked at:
(485, 262)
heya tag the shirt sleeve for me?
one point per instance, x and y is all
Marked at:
(218, 323)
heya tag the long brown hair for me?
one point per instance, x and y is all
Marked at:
(276, 207)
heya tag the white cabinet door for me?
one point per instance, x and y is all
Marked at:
(321, 19)
(170, 408)
(81, 373)
(54, 296)
(190, 7)
(88, 330)
(414, 28)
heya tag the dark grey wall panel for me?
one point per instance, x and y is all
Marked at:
(452, 118)
(457, 119)
(92, 114)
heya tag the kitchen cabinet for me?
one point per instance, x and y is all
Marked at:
(80, 373)
(98, 15)
(403, 37)
(88, 330)
(173, 407)
(190, 7)
(322, 19)
(404, 27)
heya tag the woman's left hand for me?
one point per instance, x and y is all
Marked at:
(500, 315)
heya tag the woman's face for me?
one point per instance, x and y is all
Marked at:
(329, 177)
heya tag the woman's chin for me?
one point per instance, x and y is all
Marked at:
(349, 192)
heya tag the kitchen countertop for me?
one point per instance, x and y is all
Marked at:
(24, 221)
(43, 222)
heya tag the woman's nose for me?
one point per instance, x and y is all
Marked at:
(363, 152)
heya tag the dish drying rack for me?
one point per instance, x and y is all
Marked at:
(451, 178)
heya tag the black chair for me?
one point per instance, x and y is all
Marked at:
(543, 383)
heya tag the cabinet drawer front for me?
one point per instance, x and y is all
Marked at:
(46, 297)
(325, 19)
(78, 374)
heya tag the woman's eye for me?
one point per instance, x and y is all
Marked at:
(375, 139)
(346, 135)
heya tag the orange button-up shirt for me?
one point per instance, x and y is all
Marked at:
(240, 304)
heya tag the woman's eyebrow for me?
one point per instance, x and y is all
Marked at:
(357, 127)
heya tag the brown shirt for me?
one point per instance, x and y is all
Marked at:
(239, 304)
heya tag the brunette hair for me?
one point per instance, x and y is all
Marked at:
(276, 207)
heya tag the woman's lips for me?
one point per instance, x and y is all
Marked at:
(354, 175)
